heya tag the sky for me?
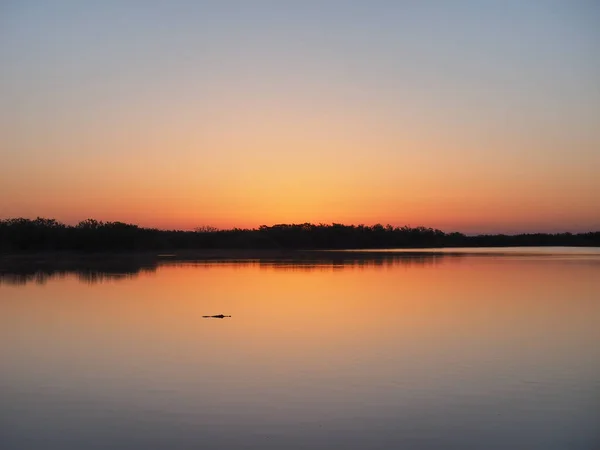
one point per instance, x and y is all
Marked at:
(471, 116)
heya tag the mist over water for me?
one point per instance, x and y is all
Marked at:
(406, 351)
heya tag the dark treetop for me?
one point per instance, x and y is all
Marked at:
(17, 235)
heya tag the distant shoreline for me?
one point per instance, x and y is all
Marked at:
(26, 236)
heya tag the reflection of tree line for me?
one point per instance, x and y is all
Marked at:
(89, 270)
(407, 260)
(98, 270)
(90, 277)
(333, 261)
(90, 235)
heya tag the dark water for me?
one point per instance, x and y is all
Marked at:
(403, 352)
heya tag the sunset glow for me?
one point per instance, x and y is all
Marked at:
(462, 116)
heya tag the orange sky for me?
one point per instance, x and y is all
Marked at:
(414, 116)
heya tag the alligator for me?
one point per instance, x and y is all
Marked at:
(218, 316)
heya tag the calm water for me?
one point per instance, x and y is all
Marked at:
(403, 352)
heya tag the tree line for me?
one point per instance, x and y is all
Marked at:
(41, 234)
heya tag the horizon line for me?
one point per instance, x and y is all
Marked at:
(210, 228)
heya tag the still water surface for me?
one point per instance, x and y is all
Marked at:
(402, 352)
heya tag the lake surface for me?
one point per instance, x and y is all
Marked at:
(428, 351)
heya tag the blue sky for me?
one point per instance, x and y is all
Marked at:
(500, 96)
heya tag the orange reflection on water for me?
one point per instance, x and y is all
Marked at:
(373, 349)
(297, 312)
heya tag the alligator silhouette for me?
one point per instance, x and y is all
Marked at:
(218, 316)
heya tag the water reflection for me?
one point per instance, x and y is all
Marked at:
(99, 270)
(420, 353)
(92, 269)
(91, 275)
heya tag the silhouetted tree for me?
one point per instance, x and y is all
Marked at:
(206, 229)
(19, 234)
